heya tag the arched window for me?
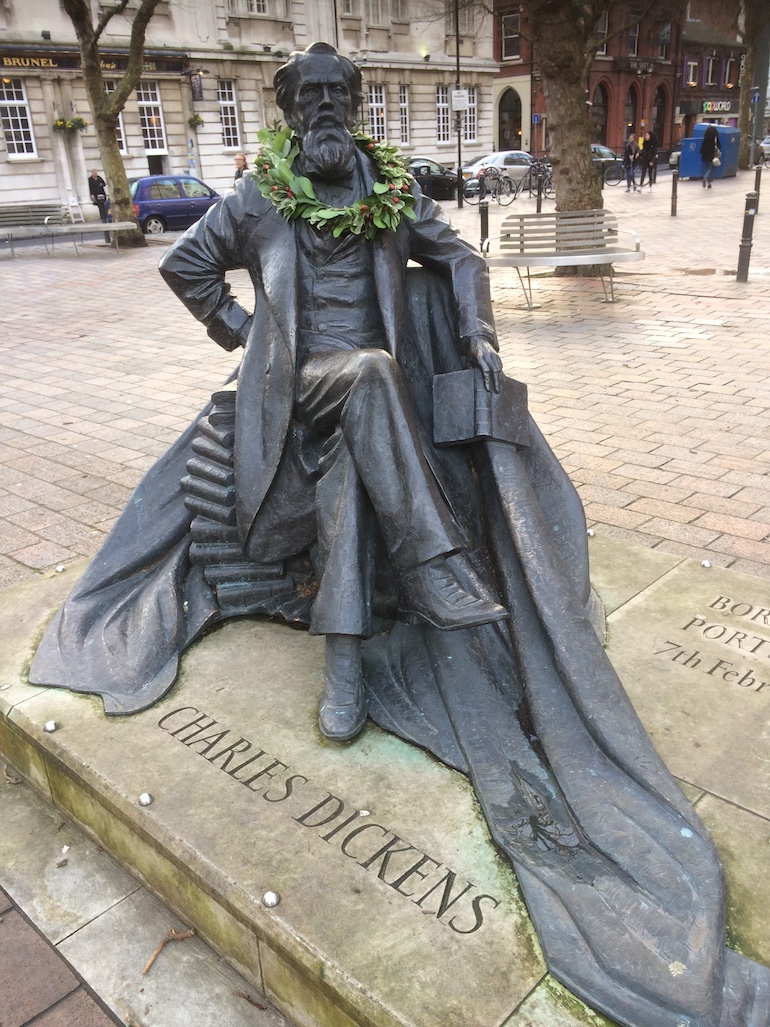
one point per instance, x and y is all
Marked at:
(631, 112)
(509, 121)
(599, 116)
(659, 115)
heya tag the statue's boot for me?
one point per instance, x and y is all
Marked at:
(342, 713)
(432, 593)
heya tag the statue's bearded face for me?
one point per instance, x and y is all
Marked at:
(323, 114)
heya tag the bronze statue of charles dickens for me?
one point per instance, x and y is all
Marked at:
(451, 581)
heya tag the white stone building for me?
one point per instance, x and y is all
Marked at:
(213, 61)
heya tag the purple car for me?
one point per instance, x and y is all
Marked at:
(170, 202)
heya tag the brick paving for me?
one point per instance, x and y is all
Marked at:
(36, 984)
(658, 405)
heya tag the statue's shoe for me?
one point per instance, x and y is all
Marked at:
(342, 713)
(432, 593)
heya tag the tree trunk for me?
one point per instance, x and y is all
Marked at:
(105, 107)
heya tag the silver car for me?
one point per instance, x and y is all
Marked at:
(514, 164)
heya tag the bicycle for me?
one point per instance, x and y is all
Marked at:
(538, 177)
(614, 175)
(490, 183)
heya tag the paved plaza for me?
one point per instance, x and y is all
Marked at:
(657, 405)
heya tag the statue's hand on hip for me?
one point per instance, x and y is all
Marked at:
(483, 354)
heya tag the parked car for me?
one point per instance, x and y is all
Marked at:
(170, 202)
(433, 178)
(765, 144)
(604, 159)
(514, 164)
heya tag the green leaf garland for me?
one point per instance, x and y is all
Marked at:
(294, 196)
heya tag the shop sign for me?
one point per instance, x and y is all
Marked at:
(718, 107)
(18, 59)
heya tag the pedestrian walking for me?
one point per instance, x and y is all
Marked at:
(630, 158)
(97, 187)
(647, 158)
(710, 154)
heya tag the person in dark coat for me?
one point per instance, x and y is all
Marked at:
(709, 149)
(97, 187)
(647, 159)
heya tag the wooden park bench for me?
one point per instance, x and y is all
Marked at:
(45, 222)
(562, 239)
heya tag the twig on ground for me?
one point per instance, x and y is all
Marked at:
(173, 935)
(249, 998)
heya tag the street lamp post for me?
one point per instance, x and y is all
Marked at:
(458, 118)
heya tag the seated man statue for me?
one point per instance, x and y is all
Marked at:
(339, 486)
(328, 337)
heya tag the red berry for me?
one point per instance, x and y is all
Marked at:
(265, 167)
(364, 207)
(370, 146)
(274, 187)
(391, 186)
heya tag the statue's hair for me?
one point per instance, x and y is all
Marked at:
(285, 80)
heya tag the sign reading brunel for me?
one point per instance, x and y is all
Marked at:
(17, 58)
(407, 869)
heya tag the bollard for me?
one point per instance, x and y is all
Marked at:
(674, 182)
(484, 224)
(744, 254)
(757, 185)
(539, 193)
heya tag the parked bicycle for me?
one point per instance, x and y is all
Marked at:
(490, 184)
(538, 176)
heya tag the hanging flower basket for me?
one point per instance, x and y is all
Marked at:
(195, 121)
(76, 124)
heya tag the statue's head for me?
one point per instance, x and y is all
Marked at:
(319, 92)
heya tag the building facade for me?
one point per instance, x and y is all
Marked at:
(659, 75)
(207, 87)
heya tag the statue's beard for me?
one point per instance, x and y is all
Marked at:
(328, 151)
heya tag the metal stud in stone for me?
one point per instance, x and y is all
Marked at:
(590, 533)
(50, 726)
(145, 799)
(705, 563)
(271, 899)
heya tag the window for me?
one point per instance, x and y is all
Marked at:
(442, 114)
(151, 117)
(464, 20)
(349, 8)
(228, 114)
(376, 102)
(403, 114)
(692, 73)
(398, 10)
(470, 121)
(664, 38)
(510, 36)
(729, 73)
(712, 70)
(194, 189)
(633, 40)
(374, 12)
(601, 30)
(14, 114)
(109, 87)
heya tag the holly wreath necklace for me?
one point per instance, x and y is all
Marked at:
(294, 196)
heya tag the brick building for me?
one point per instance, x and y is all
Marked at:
(660, 74)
